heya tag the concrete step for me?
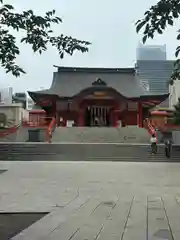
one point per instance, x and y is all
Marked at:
(9, 138)
(83, 152)
(131, 134)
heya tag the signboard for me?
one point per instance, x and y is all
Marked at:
(132, 106)
(66, 106)
(61, 105)
(70, 123)
(73, 106)
(45, 102)
(99, 94)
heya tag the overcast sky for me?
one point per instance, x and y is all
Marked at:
(108, 24)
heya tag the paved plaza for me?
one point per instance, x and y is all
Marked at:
(94, 200)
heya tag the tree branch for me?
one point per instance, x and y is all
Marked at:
(158, 17)
(38, 33)
(156, 20)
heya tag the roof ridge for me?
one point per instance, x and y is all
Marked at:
(94, 69)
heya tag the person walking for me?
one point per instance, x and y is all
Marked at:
(153, 144)
(167, 146)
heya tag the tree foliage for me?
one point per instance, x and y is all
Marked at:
(156, 20)
(176, 116)
(37, 33)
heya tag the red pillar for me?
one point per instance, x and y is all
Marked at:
(140, 115)
(81, 118)
(57, 118)
(115, 116)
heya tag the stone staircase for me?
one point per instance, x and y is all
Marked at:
(84, 152)
(131, 134)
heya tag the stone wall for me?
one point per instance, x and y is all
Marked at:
(176, 136)
(14, 113)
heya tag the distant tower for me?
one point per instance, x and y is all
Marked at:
(151, 52)
(6, 95)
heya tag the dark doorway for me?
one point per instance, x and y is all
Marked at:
(98, 116)
(88, 117)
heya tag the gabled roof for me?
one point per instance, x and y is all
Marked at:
(68, 82)
(94, 70)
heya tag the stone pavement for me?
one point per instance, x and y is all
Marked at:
(94, 200)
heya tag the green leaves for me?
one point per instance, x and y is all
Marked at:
(68, 45)
(144, 39)
(37, 32)
(176, 116)
(158, 17)
(176, 72)
(140, 24)
(177, 51)
(170, 21)
(9, 52)
(9, 7)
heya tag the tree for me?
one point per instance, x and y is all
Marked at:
(176, 116)
(156, 20)
(37, 32)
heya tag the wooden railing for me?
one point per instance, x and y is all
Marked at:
(9, 127)
(48, 123)
(7, 131)
(152, 130)
(50, 129)
(40, 122)
(170, 126)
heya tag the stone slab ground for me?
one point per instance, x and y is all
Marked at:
(94, 200)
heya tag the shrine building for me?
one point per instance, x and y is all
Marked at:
(82, 95)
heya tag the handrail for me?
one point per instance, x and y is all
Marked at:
(9, 131)
(40, 122)
(50, 129)
(152, 130)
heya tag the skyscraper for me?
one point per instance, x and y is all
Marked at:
(6, 95)
(151, 52)
(155, 74)
(153, 69)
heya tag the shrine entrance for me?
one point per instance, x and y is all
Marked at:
(98, 116)
(99, 105)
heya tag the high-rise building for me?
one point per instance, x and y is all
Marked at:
(30, 104)
(151, 52)
(156, 74)
(153, 69)
(6, 95)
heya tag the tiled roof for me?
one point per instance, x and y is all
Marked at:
(68, 82)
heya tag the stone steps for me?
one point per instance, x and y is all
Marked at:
(130, 134)
(83, 152)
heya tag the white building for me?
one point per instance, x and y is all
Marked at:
(174, 91)
(6, 95)
(151, 52)
(30, 103)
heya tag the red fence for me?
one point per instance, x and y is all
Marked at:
(151, 129)
(41, 121)
(8, 131)
(50, 129)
